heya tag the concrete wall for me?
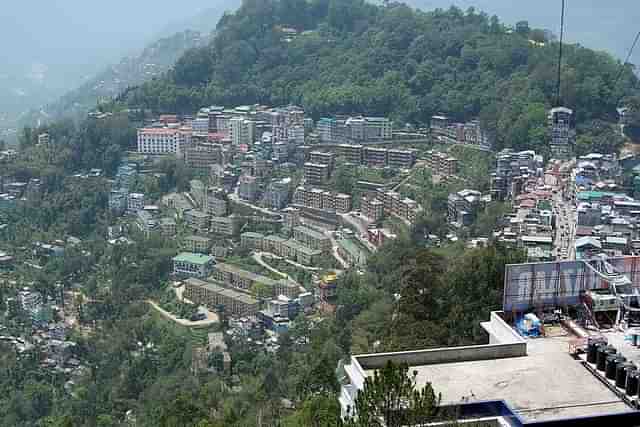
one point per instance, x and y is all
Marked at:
(444, 355)
(504, 343)
(499, 331)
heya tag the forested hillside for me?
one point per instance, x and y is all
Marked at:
(351, 56)
(132, 70)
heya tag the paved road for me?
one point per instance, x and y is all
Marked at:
(257, 256)
(211, 319)
(566, 220)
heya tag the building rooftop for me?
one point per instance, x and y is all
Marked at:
(216, 287)
(310, 232)
(545, 384)
(198, 239)
(230, 268)
(192, 258)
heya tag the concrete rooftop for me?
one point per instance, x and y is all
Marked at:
(546, 384)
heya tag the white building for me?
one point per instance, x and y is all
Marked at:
(135, 202)
(169, 140)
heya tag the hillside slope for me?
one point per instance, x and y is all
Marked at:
(351, 56)
(152, 62)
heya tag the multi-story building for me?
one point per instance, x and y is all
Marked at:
(252, 240)
(323, 158)
(223, 124)
(168, 226)
(513, 169)
(167, 140)
(343, 203)
(290, 249)
(248, 188)
(295, 135)
(135, 202)
(214, 296)
(375, 157)
(118, 201)
(277, 194)
(215, 202)
(562, 133)
(197, 244)
(372, 208)
(244, 280)
(442, 164)
(201, 155)
(146, 222)
(242, 131)
(316, 173)
(280, 152)
(328, 130)
(462, 207)
(291, 217)
(200, 126)
(43, 139)
(401, 159)
(225, 225)
(352, 153)
(368, 128)
(196, 220)
(312, 239)
(320, 199)
(192, 265)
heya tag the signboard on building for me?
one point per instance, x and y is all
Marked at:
(557, 284)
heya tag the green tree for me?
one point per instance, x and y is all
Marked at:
(393, 398)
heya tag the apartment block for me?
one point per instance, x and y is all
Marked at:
(328, 130)
(201, 155)
(215, 202)
(252, 240)
(192, 265)
(323, 158)
(372, 208)
(248, 188)
(167, 140)
(343, 203)
(135, 202)
(442, 164)
(375, 157)
(312, 238)
(168, 226)
(316, 174)
(226, 226)
(401, 159)
(352, 153)
(197, 244)
(236, 277)
(277, 194)
(368, 128)
(213, 296)
(196, 220)
(43, 139)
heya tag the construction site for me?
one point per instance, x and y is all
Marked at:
(564, 351)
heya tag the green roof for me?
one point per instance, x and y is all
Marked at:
(192, 258)
(594, 195)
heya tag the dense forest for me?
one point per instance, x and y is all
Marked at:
(354, 57)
